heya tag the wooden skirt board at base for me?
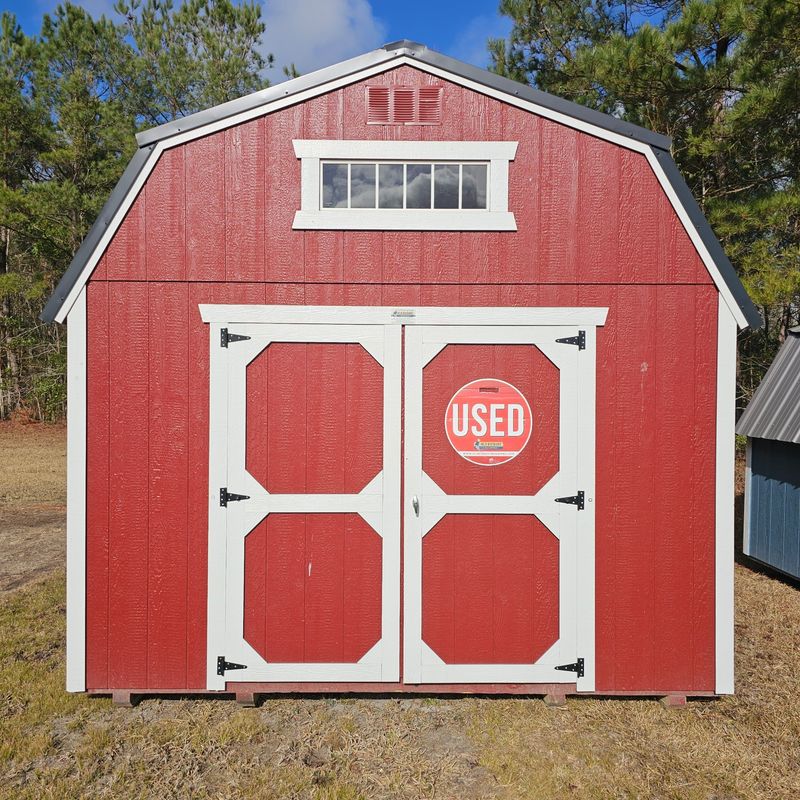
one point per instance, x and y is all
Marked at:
(307, 409)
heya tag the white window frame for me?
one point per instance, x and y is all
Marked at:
(311, 216)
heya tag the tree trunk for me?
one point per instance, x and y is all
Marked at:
(9, 366)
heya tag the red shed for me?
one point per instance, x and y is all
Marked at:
(401, 376)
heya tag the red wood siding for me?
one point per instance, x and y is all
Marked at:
(489, 589)
(300, 440)
(312, 588)
(213, 224)
(526, 368)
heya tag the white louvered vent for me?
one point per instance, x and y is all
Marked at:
(404, 105)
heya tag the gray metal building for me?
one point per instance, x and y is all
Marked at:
(772, 484)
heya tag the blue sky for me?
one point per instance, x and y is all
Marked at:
(314, 33)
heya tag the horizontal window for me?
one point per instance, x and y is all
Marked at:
(404, 185)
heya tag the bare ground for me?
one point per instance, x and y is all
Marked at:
(55, 745)
(32, 502)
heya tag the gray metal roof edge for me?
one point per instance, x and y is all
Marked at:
(269, 95)
(760, 419)
(92, 240)
(727, 270)
(386, 54)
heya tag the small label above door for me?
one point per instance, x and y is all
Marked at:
(488, 422)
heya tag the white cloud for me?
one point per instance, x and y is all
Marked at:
(316, 33)
(469, 43)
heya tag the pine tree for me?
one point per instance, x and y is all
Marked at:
(722, 78)
(71, 100)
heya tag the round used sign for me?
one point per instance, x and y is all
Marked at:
(488, 422)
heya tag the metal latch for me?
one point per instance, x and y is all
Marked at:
(225, 338)
(574, 500)
(226, 497)
(415, 504)
(576, 667)
(579, 340)
(223, 666)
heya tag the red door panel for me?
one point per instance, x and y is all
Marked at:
(312, 588)
(526, 368)
(489, 589)
(314, 418)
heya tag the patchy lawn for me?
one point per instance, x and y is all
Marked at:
(55, 745)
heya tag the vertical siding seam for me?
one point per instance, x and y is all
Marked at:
(657, 436)
(225, 134)
(306, 548)
(347, 348)
(188, 439)
(149, 474)
(266, 521)
(107, 304)
(692, 505)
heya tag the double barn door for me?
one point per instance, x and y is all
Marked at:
(401, 495)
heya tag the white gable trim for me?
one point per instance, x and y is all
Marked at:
(392, 62)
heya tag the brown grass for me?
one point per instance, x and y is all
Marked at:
(55, 745)
(32, 464)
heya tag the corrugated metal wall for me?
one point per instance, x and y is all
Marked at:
(774, 505)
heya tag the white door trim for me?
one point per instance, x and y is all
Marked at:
(382, 662)
(377, 503)
(404, 315)
(575, 529)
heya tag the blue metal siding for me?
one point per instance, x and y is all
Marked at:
(774, 505)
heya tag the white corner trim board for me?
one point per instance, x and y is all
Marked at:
(726, 443)
(748, 490)
(496, 217)
(76, 496)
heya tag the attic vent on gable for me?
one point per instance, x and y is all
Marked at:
(404, 105)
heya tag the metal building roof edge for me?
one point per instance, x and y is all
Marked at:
(774, 410)
(148, 139)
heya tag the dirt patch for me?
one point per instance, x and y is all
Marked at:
(32, 541)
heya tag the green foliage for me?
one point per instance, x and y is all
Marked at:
(722, 78)
(180, 61)
(71, 100)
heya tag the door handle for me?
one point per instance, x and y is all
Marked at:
(415, 504)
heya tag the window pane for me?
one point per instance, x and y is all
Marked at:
(418, 186)
(390, 183)
(362, 186)
(473, 186)
(445, 186)
(334, 185)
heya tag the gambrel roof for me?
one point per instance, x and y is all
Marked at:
(653, 146)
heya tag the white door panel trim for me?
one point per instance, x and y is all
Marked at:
(377, 503)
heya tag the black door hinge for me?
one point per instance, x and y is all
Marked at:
(576, 667)
(575, 500)
(226, 497)
(579, 340)
(223, 666)
(225, 338)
